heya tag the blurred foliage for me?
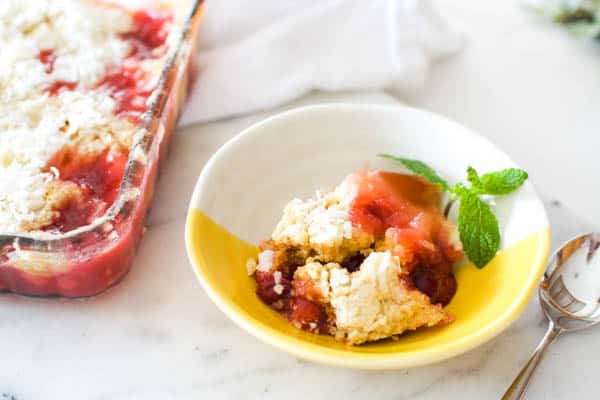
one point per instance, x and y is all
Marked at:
(581, 17)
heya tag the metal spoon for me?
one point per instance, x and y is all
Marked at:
(570, 298)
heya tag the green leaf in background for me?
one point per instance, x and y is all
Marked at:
(575, 15)
(478, 228)
(498, 182)
(419, 168)
(580, 17)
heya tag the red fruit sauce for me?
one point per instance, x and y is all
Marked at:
(47, 57)
(405, 210)
(98, 177)
(305, 312)
(127, 84)
(294, 304)
(55, 87)
(151, 31)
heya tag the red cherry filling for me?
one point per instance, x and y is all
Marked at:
(404, 209)
(128, 85)
(98, 178)
(47, 57)
(150, 32)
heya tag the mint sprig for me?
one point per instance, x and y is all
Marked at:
(499, 182)
(478, 229)
(477, 225)
(419, 168)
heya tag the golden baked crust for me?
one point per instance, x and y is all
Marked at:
(321, 225)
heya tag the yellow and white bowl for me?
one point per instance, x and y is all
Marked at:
(242, 190)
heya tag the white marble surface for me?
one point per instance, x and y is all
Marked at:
(158, 336)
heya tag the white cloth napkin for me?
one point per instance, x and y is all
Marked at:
(259, 54)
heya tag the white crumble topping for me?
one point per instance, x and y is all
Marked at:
(347, 230)
(265, 260)
(55, 172)
(32, 132)
(278, 287)
(322, 224)
(373, 302)
(318, 276)
(85, 38)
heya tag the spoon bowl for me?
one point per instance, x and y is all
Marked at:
(570, 291)
(570, 298)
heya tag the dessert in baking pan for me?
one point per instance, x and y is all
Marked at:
(76, 78)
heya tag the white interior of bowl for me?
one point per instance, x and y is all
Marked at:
(246, 184)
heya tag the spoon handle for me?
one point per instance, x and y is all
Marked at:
(517, 389)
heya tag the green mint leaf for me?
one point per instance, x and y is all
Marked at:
(419, 168)
(500, 182)
(477, 224)
(458, 189)
(473, 178)
(478, 228)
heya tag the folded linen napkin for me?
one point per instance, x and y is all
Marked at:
(257, 55)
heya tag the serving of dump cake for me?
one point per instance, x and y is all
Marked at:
(74, 80)
(369, 260)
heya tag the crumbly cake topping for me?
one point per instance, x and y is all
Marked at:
(373, 302)
(363, 262)
(72, 43)
(322, 224)
(83, 37)
(31, 134)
